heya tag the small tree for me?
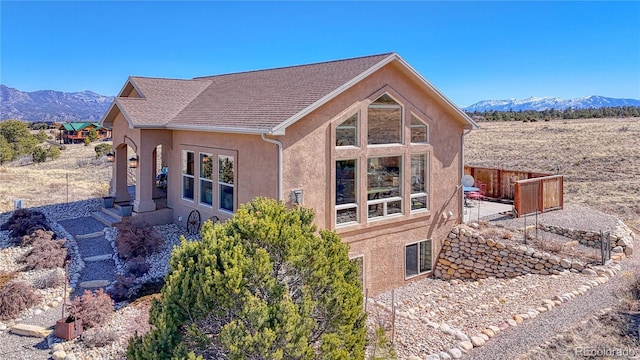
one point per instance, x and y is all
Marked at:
(86, 141)
(53, 152)
(39, 154)
(6, 150)
(263, 285)
(102, 149)
(92, 135)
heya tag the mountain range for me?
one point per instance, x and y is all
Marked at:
(547, 103)
(50, 105)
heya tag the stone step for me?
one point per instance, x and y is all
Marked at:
(98, 258)
(109, 217)
(94, 284)
(30, 330)
(91, 235)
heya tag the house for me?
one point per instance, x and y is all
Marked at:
(76, 132)
(368, 143)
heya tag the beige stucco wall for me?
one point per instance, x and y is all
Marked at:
(309, 157)
(256, 169)
(309, 164)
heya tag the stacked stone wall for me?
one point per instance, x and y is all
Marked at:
(467, 254)
(621, 236)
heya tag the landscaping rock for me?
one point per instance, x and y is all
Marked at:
(30, 330)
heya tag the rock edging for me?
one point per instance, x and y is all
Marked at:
(622, 236)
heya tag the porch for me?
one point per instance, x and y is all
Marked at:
(110, 216)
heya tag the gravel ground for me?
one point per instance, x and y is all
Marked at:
(94, 246)
(572, 216)
(82, 226)
(515, 341)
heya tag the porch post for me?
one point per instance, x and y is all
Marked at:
(119, 178)
(145, 182)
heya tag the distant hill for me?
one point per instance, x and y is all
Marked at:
(49, 105)
(547, 103)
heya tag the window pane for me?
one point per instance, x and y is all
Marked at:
(425, 256)
(419, 202)
(418, 173)
(345, 182)
(206, 191)
(385, 125)
(418, 131)
(225, 169)
(187, 187)
(411, 260)
(206, 166)
(187, 162)
(226, 197)
(376, 210)
(394, 207)
(347, 215)
(384, 177)
(347, 132)
(384, 121)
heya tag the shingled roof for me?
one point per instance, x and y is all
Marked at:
(263, 101)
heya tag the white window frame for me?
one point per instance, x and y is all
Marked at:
(221, 183)
(423, 124)
(426, 183)
(386, 201)
(386, 106)
(418, 272)
(356, 128)
(183, 162)
(202, 179)
(356, 180)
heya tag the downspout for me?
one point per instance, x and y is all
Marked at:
(277, 142)
(462, 169)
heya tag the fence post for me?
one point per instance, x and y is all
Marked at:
(393, 316)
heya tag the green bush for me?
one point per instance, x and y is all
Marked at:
(102, 149)
(53, 152)
(39, 154)
(263, 285)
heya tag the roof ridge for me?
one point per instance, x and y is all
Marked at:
(209, 77)
(162, 78)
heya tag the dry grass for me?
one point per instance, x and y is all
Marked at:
(46, 183)
(599, 158)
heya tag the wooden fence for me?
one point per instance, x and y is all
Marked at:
(530, 191)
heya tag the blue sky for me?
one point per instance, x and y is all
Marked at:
(471, 51)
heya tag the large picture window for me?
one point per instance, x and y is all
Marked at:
(384, 192)
(417, 258)
(206, 181)
(346, 192)
(384, 121)
(187, 174)
(419, 191)
(226, 178)
(347, 132)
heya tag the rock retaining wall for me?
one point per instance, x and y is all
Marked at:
(621, 236)
(467, 254)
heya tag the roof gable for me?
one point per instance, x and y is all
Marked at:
(263, 101)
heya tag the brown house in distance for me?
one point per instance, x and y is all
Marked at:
(76, 132)
(368, 143)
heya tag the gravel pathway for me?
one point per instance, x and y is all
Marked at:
(531, 333)
(81, 226)
(94, 246)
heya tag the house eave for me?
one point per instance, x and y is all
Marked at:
(218, 129)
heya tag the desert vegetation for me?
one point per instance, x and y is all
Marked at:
(599, 158)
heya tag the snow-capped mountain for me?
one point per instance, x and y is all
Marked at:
(546, 103)
(50, 105)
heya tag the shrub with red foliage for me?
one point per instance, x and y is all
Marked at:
(37, 235)
(15, 297)
(122, 289)
(136, 238)
(24, 222)
(93, 308)
(46, 254)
